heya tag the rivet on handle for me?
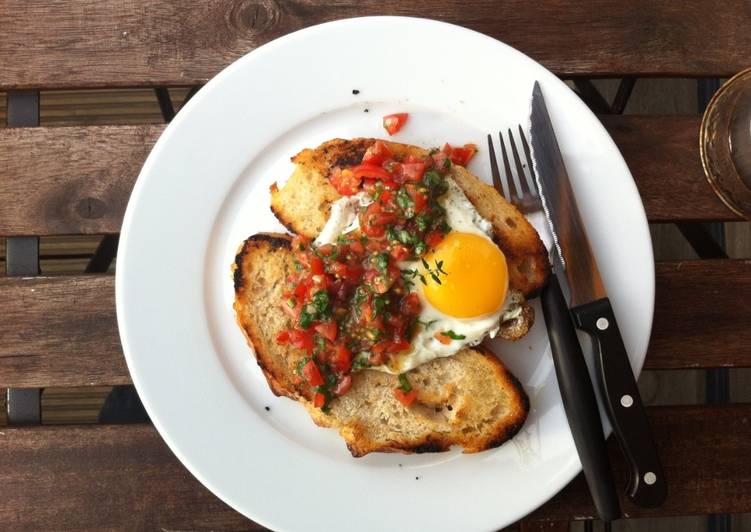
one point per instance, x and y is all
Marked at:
(602, 324)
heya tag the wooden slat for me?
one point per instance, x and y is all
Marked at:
(663, 155)
(702, 315)
(102, 478)
(110, 43)
(147, 488)
(62, 330)
(704, 451)
(71, 180)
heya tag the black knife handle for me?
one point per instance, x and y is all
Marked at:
(647, 485)
(579, 401)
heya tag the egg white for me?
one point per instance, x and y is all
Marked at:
(462, 216)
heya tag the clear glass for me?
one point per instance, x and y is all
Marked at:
(725, 143)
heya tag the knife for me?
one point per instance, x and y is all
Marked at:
(593, 313)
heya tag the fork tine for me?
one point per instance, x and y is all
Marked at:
(528, 155)
(519, 167)
(494, 167)
(509, 176)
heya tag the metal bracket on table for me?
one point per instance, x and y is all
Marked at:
(24, 405)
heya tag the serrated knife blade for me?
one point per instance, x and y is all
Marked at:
(592, 311)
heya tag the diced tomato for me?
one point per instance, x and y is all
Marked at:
(433, 238)
(386, 196)
(374, 220)
(393, 123)
(377, 154)
(411, 305)
(447, 149)
(327, 329)
(445, 340)
(326, 249)
(343, 386)
(439, 160)
(400, 252)
(316, 266)
(319, 400)
(354, 273)
(345, 182)
(398, 347)
(357, 247)
(294, 311)
(405, 398)
(339, 269)
(282, 337)
(389, 184)
(339, 289)
(301, 339)
(413, 171)
(462, 156)
(370, 170)
(410, 158)
(312, 374)
(301, 290)
(342, 359)
(419, 197)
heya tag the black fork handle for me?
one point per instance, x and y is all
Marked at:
(579, 401)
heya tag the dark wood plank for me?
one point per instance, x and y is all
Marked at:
(663, 155)
(70, 180)
(143, 43)
(704, 451)
(62, 331)
(702, 315)
(147, 488)
(99, 477)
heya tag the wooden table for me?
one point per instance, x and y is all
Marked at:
(61, 331)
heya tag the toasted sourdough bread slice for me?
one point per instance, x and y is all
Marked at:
(303, 203)
(468, 399)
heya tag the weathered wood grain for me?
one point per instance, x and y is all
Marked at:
(125, 477)
(702, 314)
(77, 180)
(62, 331)
(108, 43)
(663, 155)
(704, 451)
(100, 477)
(69, 180)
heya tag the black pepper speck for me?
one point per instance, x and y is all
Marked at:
(417, 478)
(355, 91)
(366, 110)
(268, 408)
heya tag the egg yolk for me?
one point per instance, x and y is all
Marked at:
(476, 278)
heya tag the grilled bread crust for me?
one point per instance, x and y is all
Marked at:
(302, 205)
(469, 399)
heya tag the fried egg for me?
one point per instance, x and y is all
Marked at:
(469, 300)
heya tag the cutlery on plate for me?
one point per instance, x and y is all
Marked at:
(593, 313)
(579, 401)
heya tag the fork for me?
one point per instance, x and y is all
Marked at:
(578, 396)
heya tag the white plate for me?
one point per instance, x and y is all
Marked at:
(204, 188)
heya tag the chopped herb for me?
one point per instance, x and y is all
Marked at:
(435, 278)
(439, 266)
(405, 202)
(321, 342)
(427, 324)
(291, 302)
(381, 261)
(420, 248)
(306, 318)
(404, 383)
(378, 305)
(302, 247)
(361, 361)
(425, 264)
(422, 222)
(405, 237)
(301, 365)
(298, 266)
(392, 234)
(451, 334)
